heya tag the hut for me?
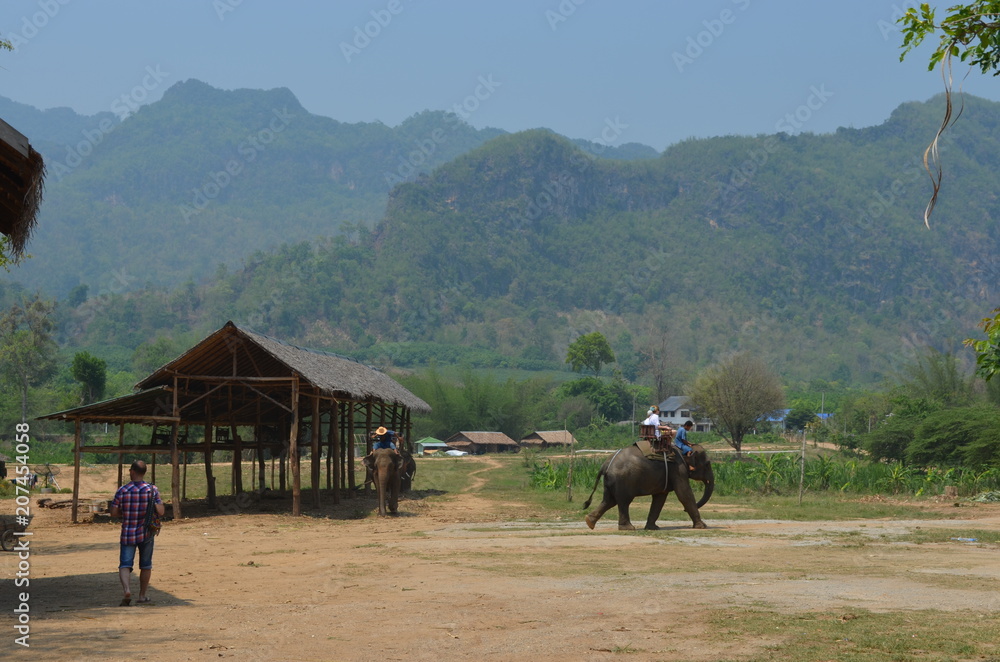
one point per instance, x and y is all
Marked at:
(477, 443)
(430, 444)
(249, 393)
(22, 175)
(543, 439)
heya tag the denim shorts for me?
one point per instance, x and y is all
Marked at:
(126, 558)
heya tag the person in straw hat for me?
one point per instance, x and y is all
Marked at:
(384, 439)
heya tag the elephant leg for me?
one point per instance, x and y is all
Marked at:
(624, 520)
(380, 480)
(394, 499)
(686, 496)
(654, 511)
(607, 503)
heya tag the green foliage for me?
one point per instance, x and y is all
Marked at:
(27, 349)
(968, 436)
(937, 377)
(968, 32)
(737, 393)
(779, 475)
(590, 350)
(988, 351)
(92, 373)
(799, 417)
(610, 399)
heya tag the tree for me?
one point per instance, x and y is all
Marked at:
(92, 373)
(27, 351)
(988, 351)
(970, 32)
(736, 394)
(936, 376)
(799, 417)
(590, 350)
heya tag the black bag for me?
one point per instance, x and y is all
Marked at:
(152, 524)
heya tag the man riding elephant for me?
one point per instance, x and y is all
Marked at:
(629, 473)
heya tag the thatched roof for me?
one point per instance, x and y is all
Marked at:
(22, 174)
(151, 406)
(232, 352)
(480, 439)
(237, 351)
(549, 438)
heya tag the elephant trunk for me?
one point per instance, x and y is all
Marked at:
(709, 486)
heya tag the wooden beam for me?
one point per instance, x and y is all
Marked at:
(293, 452)
(76, 472)
(316, 459)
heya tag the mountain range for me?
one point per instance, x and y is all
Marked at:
(437, 241)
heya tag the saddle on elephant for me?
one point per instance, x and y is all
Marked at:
(652, 452)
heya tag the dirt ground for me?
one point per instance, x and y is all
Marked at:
(454, 578)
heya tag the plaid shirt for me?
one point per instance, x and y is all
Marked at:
(133, 499)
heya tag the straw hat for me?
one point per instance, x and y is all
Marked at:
(381, 430)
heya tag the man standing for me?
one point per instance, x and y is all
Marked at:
(130, 503)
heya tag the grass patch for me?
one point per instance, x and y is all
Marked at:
(857, 635)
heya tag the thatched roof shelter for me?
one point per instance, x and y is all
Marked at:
(249, 392)
(548, 438)
(22, 175)
(482, 442)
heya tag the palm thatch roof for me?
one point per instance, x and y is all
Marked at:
(482, 442)
(545, 438)
(233, 350)
(22, 175)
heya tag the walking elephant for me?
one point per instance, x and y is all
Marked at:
(629, 474)
(386, 467)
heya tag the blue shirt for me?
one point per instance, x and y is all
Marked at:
(385, 441)
(680, 440)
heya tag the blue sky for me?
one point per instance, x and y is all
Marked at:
(657, 72)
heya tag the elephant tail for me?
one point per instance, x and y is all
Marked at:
(600, 474)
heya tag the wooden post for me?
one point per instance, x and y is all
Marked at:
(209, 478)
(76, 472)
(293, 451)
(314, 449)
(175, 473)
(335, 448)
(350, 446)
(175, 461)
(368, 427)
(121, 450)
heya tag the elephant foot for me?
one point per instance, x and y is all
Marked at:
(626, 527)
(590, 520)
(699, 525)
(652, 527)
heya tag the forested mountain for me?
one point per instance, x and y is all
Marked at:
(807, 249)
(207, 176)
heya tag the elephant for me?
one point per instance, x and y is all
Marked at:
(628, 474)
(386, 467)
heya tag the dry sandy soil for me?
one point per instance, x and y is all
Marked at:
(454, 578)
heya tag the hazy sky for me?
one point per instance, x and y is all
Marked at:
(654, 72)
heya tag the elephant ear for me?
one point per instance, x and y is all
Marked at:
(399, 462)
(369, 462)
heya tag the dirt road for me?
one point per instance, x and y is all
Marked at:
(453, 578)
